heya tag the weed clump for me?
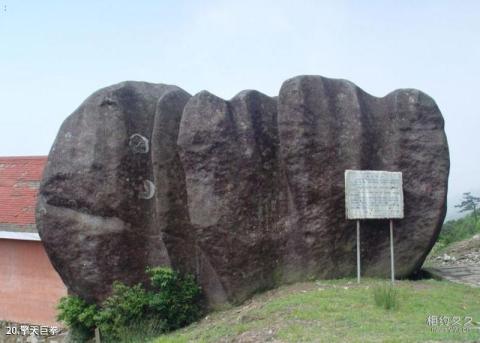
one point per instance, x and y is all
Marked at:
(386, 296)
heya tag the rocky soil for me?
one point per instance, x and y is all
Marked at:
(466, 252)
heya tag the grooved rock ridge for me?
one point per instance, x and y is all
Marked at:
(246, 194)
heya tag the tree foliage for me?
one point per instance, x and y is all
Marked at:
(469, 203)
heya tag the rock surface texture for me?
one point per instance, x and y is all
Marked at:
(245, 194)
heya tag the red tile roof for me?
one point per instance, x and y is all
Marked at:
(19, 181)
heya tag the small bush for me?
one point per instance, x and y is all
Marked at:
(79, 316)
(132, 313)
(176, 297)
(124, 307)
(386, 296)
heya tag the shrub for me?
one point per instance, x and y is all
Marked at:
(386, 296)
(124, 307)
(132, 313)
(79, 316)
(175, 297)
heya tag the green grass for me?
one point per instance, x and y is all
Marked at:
(141, 332)
(339, 311)
(457, 230)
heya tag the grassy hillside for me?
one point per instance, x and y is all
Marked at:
(459, 229)
(454, 231)
(340, 311)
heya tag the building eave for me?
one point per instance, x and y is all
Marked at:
(20, 236)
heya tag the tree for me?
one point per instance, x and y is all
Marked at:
(469, 203)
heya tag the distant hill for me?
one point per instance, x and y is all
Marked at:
(458, 243)
(459, 229)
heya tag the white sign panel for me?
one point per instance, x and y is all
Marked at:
(373, 194)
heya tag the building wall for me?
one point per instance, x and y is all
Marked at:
(29, 286)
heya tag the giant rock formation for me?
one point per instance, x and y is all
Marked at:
(245, 194)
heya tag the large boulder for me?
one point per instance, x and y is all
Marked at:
(104, 181)
(245, 194)
(327, 126)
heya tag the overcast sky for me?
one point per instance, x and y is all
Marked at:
(53, 55)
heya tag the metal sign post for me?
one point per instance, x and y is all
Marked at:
(358, 251)
(374, 194)
(97, 335)
(392, 263)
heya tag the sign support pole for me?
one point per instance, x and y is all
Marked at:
(358, 251)
(97, 335)
(392, 264)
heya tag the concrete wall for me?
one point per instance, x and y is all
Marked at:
(29, 286)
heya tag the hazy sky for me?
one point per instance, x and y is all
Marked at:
(53, 55)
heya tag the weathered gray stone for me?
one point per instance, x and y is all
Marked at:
(96, 211)
(229, 154)
(246, 194)
(327, 126)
